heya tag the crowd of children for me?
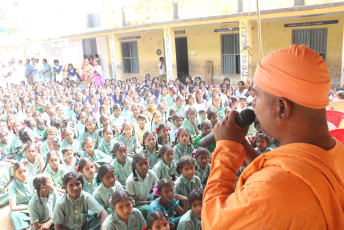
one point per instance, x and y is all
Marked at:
(119, 156)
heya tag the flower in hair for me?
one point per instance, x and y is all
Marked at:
(110, 200)
(156, 129)
(169, 128)
(176, 133)
(38, 149)
(155, 190)
(26, 162)
(194, 153)
(95, 165)
(76, 169)
(61, 136)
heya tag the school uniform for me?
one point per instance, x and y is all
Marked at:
(80, 128)
(75, 145)
(99, 157)
(16, 141)
(75, 162)
(161, 96)
(95, 136)
(122, 171)
(117, 121)
(180, 150)
(126, 113)
(170, 100)
(183, 186)
(42, 212)
(72, 214)
(40, 133)
(6, 173)
(180, 110)
(32, 168)
(187, 124)
(56, 176)
(189, 221)
(133, 120)
(221, 113)
(203, 174)
(8, 148)
(132, 143)
(157, 206)
(90, 187)
(106, 147)
(23, 192)
(135, 221)
(153, 157)
(70, 114)
(102, 195)
(141, 188)
(163, 170)
(44, 149)
(154, 126)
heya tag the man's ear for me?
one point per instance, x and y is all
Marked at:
(284, 108)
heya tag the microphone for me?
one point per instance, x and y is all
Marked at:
(244, 119)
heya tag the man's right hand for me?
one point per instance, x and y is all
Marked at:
(229, 130)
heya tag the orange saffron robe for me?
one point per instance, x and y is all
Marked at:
(295, 186)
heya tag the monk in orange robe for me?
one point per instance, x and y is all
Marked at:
(299, 185)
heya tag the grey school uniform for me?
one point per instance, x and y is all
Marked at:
(75, 145)
(122, 171)
(32, 169)
(203, 174)
(135, 222)
(56, 176)
(163, 170)
(90, 187)
(189, 221)
(152, 156)
(106, 147)
(141, 188)
(180, 151)
(6, 172)
(23, 192)
(95, 136)
(42, 212)
(132, 143)
(183, 186)
(66, 215)
(99, 157)
(102, 194)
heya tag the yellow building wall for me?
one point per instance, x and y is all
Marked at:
(147, 46)
(275, 36)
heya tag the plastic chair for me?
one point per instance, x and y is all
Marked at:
(336, 105)
(334, 117)
(338, 134)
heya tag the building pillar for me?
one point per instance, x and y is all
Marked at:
(245, 50)
(112, 56)
(170, 53)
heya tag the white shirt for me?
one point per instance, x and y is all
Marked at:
(162, 71)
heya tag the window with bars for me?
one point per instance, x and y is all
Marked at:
(315, 39)
(130, 57)
(230, 52)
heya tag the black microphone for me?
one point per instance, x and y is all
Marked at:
(244, 119)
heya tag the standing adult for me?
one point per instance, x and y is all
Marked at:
(73, 73)
(162, 69)
(299, 185)
(35, 71)
(47, 74)
(57, 71)
(29, 72)
(97, 73)
(86, 71)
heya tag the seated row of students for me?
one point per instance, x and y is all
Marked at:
(73, 210)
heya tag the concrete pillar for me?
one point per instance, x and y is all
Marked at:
(170, 54)
(245, 50)
(112, 56)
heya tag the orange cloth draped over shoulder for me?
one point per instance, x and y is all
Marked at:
(295, 186)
